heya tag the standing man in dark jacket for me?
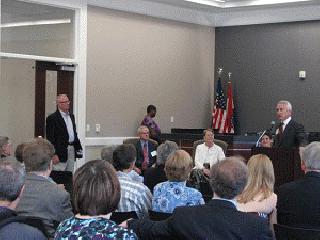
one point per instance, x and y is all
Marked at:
(61, 132)
(289, 133)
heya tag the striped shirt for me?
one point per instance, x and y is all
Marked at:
(135, 196)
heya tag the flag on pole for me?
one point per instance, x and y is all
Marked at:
(228, 125)
(219, 109)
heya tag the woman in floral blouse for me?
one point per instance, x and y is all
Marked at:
(174, 192)
(96, 193)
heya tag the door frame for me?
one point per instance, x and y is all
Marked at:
(65, 84)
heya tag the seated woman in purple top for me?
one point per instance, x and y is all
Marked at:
(174, 192)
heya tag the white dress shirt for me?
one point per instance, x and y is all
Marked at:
(285, 123)
(204, 154)
(67, 119)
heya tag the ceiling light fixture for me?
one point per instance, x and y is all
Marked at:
(214, 3)
(32, 23)
(226, 4)
(268, 2)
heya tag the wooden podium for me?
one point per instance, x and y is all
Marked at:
(286, 163)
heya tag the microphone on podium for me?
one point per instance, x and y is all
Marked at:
(258, 142)
(273, 123)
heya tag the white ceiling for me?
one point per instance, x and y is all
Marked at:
(217, 5)
(229, 13)
(238, 12)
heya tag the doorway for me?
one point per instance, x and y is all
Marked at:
(51, 79)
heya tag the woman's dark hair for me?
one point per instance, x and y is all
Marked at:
(96, 189)
(269, 134)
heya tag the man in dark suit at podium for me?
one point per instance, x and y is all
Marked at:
(289, 133)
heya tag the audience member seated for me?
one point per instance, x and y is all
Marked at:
(174, 192)
(12, 177)
(207, 154)
(258, 195)
(219, 219)
(6, 149)
(298, 201)
(135, 196)
(146, 151)
(107, 153)
(96, 193)
(148, 121)
(18, 152)
(42, 197)
(156, 174)
(266, 140)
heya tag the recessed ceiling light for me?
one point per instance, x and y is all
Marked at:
(227, 4)
(214, 3)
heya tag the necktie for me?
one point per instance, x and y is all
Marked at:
(145, 156)
(281, 128)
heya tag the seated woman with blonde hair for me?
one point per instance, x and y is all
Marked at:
(174, 192)
(258, 195)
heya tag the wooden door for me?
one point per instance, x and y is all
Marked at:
(51, 79)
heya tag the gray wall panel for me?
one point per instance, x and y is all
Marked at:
(265, 61)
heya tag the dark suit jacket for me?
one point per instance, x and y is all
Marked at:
(140, 156)
(44, 199)
(57, 134)
(293, 136)
(299, 201)
(153, 176)
(17, 229)
(217, 220)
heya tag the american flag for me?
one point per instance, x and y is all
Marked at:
(228, 125)
(218, 114)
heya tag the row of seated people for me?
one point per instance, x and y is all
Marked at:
(257, 196)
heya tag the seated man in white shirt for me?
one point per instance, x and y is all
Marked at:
(208, 154)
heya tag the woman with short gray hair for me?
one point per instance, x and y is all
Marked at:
(156, 174)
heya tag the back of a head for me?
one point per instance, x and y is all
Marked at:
(124, 156)
(37, 155)
(3, 142)
(107, 153)
(151, 108)
(18, 152)
(311, 156)
(178, 166)
(228, 178)
(12, 176)
(96, 189)
(260, 180)
(164, 150)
